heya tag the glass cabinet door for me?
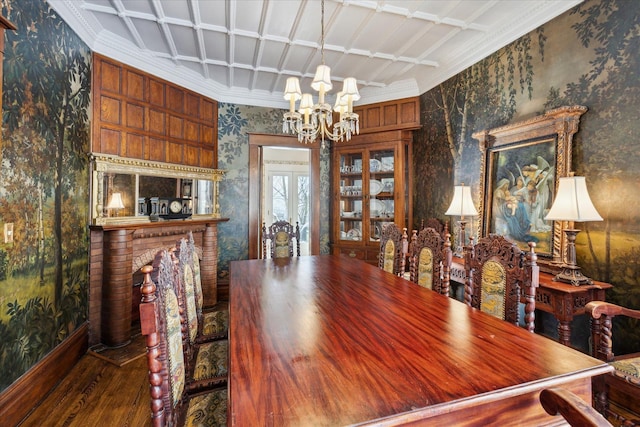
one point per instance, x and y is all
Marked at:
(351, 196)
(381, 191)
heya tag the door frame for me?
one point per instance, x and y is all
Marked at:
(256, 142)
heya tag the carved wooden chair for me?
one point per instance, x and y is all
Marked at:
(278, 238)
(213, 322)
(616, 395)
(436, 224)
(393, 247)
(498, 275)
(171, 404)
(572, 408)
(206, 363)
(430, 260)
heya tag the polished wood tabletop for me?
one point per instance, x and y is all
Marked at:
(329, 340)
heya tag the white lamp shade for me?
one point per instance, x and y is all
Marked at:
(115, 202)
(572, 202)
(322, 79)
(462, 203)
(350, 87)
(341, 104)
(292, 89)
(306, 104)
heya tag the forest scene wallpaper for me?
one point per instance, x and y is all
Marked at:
(43, 186)
(587, 56)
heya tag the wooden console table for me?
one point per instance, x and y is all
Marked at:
(120, 250)
(562, 300)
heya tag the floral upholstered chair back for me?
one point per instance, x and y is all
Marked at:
(498, 275)
(393, 247)
(430, 260)
(192, 309)
(161, 323)
(278, 240)
(169, 345)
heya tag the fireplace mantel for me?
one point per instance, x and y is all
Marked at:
(120, 250)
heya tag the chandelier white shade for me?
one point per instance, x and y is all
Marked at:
(315, 120)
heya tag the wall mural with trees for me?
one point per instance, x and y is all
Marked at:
(587, 56)
(43, 186)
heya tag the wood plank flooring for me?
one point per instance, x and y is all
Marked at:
(97, 392)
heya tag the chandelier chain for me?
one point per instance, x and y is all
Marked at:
(322, 32)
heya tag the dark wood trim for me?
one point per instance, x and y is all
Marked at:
(256, 142)
(24, 394)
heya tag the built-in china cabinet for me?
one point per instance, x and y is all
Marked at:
(371, 187)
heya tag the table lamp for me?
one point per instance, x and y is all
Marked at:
(572, 203)
(461, 205)
(115, 203)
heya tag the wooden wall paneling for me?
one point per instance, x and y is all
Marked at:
(135, 116)
(137, 108)
(135, 86)
(392, 115)
(174, 152)
(24, 394)
(109, 141)
(135, 146)
(110, 109)
(156, 92)
(110, 77)
(176, 127)
(157, 122)
(191, 155)
(191, 131)
(157, 150)
(410, 112)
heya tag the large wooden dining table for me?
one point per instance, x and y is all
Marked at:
(330, 341)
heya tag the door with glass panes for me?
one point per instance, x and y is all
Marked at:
(286, 196)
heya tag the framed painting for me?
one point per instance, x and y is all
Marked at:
(520, 168)
(519, 190)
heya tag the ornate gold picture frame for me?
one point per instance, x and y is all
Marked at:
(520, 167)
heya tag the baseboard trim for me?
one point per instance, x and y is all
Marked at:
(17, 401)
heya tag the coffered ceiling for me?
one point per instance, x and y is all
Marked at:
(242, 51)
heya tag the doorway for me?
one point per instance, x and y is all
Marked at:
(258, 145)
(286, 193)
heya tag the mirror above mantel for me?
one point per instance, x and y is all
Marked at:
(128, 190)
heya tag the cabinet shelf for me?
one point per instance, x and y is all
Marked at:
(389, 154)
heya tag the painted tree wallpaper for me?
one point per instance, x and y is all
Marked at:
(43, 186)
(587, 56)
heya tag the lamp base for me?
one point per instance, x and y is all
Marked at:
(572, 274)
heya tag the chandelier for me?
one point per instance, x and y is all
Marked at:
(316, 120)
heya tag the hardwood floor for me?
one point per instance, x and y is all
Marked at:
(97, 392)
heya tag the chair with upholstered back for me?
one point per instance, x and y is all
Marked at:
(498, 275)
(430, 260)
(213, 322)
(160, 322)
(278, 240)
(616, 395)
(393, 247)
(577, 412)
(206, 363)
